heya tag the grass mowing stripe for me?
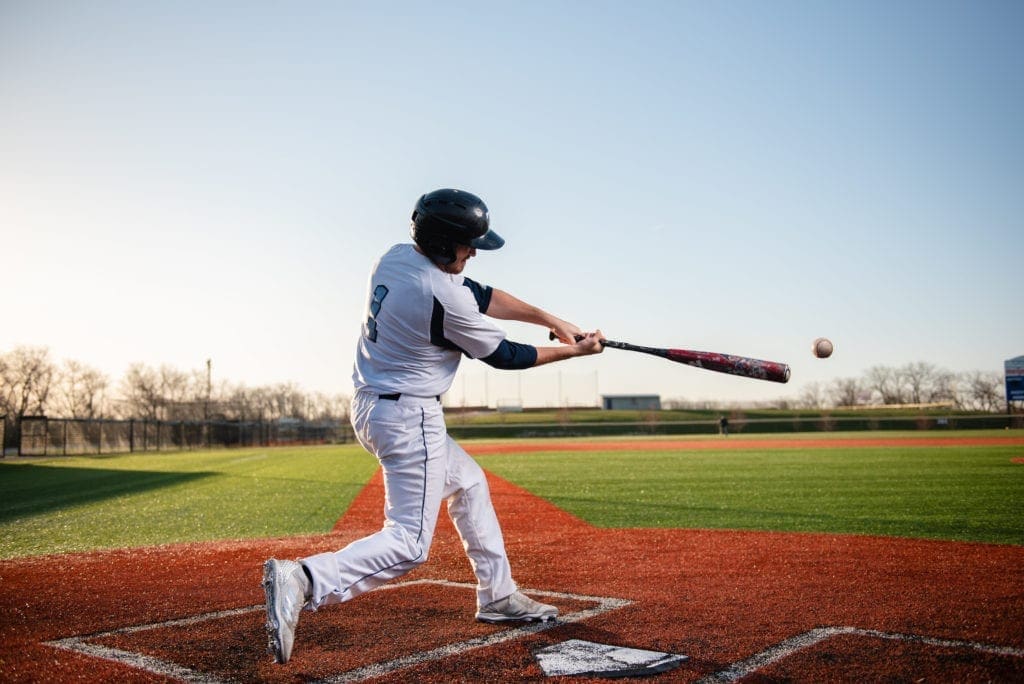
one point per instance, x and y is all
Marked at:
(957, 493)
(80, 503)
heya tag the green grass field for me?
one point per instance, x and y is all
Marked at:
(961, 493)
(80, 503)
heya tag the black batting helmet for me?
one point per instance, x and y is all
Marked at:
(445, 218)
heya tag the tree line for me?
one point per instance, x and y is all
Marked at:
(916, 384)
(32, 383)
(913, 384)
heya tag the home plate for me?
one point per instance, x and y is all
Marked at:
(586, 658)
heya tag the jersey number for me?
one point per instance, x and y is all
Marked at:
(379, 293)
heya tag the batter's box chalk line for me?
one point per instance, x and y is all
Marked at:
(786, 648)
(82, 643)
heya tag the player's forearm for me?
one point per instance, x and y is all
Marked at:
(508, 308)
(552, 354)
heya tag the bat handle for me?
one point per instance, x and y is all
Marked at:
(553, 336)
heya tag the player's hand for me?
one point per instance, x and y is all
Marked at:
(565, 332)
(590, 343)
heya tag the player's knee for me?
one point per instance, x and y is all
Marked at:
(414, 549)
(415, 556)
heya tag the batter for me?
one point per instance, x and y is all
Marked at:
(422, 317)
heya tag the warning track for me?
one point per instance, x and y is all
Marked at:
(733, 444)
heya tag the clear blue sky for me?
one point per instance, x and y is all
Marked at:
(191, 180)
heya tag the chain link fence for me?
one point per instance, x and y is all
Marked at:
(42, 436)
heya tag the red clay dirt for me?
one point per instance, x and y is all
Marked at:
(913, 609)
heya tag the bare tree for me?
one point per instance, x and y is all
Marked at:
(140, 389)
(812, 396)
(26, 379)
(177, 394)
(81, 391)
(846, 391)
(885, 383)
(239, 402)
(324, 407)
(263, 403)
(918, 378)
(943, 388)
(288, 400)
(981, 391)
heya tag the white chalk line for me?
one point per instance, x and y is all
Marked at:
(605, 604)
(786, 648)
(81, 643)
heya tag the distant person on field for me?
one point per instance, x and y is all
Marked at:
(422, 317)
(723, 426)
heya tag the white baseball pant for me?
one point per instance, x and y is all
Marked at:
(422, 466)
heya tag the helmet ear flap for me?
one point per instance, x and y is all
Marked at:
(439, 250)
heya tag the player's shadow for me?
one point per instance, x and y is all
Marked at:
(28, 489)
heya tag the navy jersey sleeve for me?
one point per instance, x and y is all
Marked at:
(512, 356)
(482, 293)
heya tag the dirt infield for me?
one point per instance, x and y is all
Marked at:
(748, 606)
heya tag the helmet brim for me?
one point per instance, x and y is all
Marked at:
(489, 240)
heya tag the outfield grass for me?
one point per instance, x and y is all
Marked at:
(80, 503)
(957, 493)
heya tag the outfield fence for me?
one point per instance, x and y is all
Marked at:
(737, 424)
(42, 436)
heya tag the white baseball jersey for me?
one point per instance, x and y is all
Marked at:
(419, 322)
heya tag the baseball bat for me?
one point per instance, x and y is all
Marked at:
(773, 371)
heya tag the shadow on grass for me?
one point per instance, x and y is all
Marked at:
(27, 490)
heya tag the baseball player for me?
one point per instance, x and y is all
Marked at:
(422, 317)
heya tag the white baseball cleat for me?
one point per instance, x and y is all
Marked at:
(287, 588)
(517, 606)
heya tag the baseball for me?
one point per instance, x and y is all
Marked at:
(822, 347)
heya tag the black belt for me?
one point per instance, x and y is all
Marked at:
(398, 395)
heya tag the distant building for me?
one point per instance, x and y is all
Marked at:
(643, 402)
